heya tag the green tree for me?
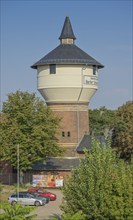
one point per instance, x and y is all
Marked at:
(116, 124)
(101, 187)
(16, 212)
(123, 131)
(102, 121)
(29, 123)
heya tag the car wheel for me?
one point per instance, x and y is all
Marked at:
(13, 202)
(37, 203)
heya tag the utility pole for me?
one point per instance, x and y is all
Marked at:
(17, 171)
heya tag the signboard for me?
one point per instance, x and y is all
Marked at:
(47, 181)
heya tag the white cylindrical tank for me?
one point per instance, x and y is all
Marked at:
(70, 84)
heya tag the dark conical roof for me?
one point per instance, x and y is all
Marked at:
(67, 53)
(67, 31)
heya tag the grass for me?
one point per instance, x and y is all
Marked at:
(6, 190)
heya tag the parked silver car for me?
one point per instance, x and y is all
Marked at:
(26, 199)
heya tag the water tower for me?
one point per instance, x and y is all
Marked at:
(67, 79)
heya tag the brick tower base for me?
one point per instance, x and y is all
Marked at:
(73, 126)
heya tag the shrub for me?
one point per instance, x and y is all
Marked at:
(101, 187)
(16, 212)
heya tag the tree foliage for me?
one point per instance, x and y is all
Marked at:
(116, 124)
(29, 123)
(123, 131)
(77, 216)
(101, 187)
(102, 121)
(16, 212)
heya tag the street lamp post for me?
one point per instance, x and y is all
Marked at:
(17, 171)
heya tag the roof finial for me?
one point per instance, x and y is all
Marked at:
(67, 36)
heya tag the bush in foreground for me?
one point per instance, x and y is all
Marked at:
(77, 216)
(16, 212)
(101, 187)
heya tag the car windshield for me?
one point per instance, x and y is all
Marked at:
(31, 196)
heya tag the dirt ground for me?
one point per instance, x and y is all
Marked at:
(51, 209)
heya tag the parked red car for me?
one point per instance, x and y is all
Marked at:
(42, 192)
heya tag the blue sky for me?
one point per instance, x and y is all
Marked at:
(30, 29)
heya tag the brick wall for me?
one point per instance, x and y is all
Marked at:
(74, 124)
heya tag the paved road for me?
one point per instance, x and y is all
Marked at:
(51, 209)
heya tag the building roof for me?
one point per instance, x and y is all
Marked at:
(67, 53)
(57, 163)
(85, 143)
(67, 31)
(67, 163)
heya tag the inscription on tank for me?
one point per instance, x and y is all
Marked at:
(91, 80)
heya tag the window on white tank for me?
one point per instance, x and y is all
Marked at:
(52, 68)
(94, 70)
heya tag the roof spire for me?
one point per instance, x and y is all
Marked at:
(67, 36)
